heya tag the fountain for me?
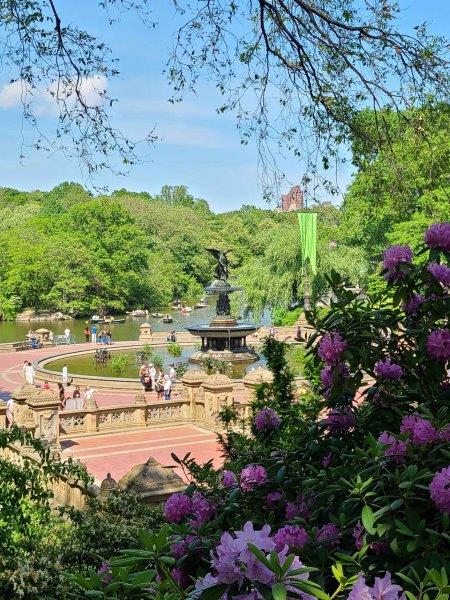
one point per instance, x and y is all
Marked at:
(224, 338)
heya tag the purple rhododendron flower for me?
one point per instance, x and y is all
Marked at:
(228, 479)
(440, 272)
(358, 535)
(421, 431)
(273, 498)
(181, 548)
(387, 369)
(177, 507)
(232, 560)
(252, 476)
(202, 509)
(438, 236)
(413, 304)
(339, 421)
(181, 577)
(440, 490)
(267, 419)
(438, 344)
(444, 434)
(330, 374)
(394, 255)
(383, 589)
(327, 459)
(331, 347)
(291, 536)
(299, 508)
(396, 449)
(330, 534)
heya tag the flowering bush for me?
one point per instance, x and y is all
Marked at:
(346, 496)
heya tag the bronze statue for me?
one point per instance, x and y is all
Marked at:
(222, 263)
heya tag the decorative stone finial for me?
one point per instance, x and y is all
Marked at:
(258, 375)
(107, 486)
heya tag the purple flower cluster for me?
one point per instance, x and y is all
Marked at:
(339, 421)
(178, 506)
(228, 479)
(181, 548)
(420, 430)
(413, 304)
(440, 272)
(388, 370)
(327, 460)
(252, 476)
(438, 236)
(330, 374)
(438, 344)
(104, 570)
(383, 589)
(329, 534)
(396, 449)
(273, 498)
(299, 508)
(267, 419)
(233, 562)
(440, 490)
(291, 536)
(181, 577)
(393, 257)
(331, 347)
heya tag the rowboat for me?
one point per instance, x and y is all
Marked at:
(139, 313)
(156, 315)
(167, 319)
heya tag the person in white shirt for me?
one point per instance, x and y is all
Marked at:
(24, 368)
(67, 334)
(172, 374)
(10, 412)
(152, 372)
(89, 394)
(65, 375)
(29, 374)
(167, 388)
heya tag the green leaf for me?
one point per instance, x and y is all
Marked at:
(279, 592)
(213, 593)
(368, 519)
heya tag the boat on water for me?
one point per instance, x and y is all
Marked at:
(96, 319)
(112, 320)
(156, 315)
(167, 319)
(186, 309)
(139, 313)
(201, 305)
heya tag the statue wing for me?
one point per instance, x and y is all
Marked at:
(214, 252)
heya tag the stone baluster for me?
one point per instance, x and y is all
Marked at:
(140, 414)
(91, 412)
(192, 381)
(45, 408)
(218, 393)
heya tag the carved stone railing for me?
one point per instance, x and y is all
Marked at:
(140, 414)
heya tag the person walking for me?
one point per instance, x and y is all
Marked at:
(159, 386)
(67, 334)
(10, 412)
(30, 374)
(94, 334)
(167, 387)
(65, 375)
(87, 333)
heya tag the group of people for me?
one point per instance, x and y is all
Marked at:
(154, 379)
(93, 335)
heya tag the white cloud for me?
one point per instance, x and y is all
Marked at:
(92, 89)
(13, 94)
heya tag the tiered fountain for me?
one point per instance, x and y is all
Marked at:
(224, 338)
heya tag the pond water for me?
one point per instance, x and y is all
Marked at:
(84, 363)
(13, 331)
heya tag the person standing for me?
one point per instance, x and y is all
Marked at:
(62, 396)
(46, 386)
(94, 334)
(30, 374)
(87, 334)
(167, 387)
(65, 375)
(142, 373)
(67, 334)
(89, 395)
(24, 368)
(159, 386)
(152, 373)
(10, 412)
(172, 374)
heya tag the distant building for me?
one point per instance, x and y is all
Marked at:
(293, 200)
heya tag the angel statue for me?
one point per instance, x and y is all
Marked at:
(222, 263)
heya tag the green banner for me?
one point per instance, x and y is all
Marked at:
(308, 237)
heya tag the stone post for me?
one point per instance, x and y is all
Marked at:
(91, 412)
(21, 408)
(255, 378)
(45, 407)
(3, 421)
(145, 333)
(192, 381)
(218, 390)
(140, 413)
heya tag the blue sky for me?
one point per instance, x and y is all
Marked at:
(198, 148)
